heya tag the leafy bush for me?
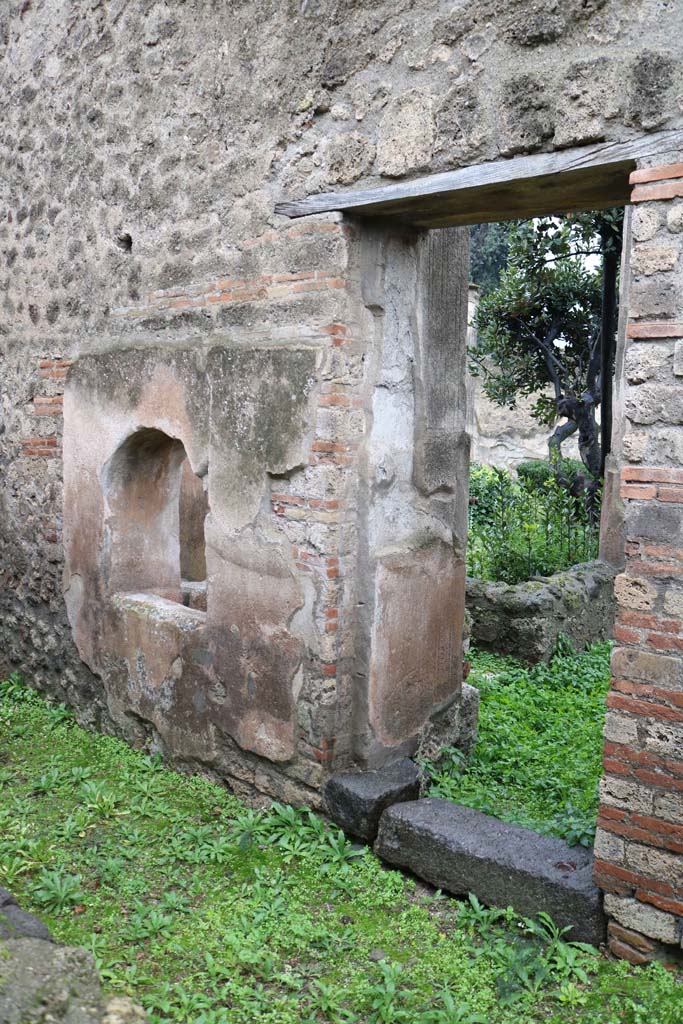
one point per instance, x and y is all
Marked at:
(538, 757)
(533, 473)
(518, 530)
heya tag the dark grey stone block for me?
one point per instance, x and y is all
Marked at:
(460, 850)
(16, 923)
(6, 897)
(355, 800)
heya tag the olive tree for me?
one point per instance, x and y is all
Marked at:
(551, 322)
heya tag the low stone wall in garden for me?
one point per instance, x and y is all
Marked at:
(525, 619)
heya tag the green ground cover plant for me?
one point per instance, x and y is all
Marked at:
(209, 912)
(526, 526)
(538, 757)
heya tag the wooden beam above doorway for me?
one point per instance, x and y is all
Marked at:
(589, 178)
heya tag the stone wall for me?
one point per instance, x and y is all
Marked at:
(639, 845)
(526, 619)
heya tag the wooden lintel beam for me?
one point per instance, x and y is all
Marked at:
(586, 178)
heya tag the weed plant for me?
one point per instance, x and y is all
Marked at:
(209, 912)
(538, 757)
(531, 526)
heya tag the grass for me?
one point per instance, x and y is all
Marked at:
(538, 757)
(208, 912)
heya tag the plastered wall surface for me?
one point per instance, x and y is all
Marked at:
(143, 148)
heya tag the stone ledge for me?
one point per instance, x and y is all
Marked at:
(461, 850)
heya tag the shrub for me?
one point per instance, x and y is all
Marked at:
(533, 473)
(519, 530)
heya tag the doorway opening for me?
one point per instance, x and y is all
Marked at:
(542, 339)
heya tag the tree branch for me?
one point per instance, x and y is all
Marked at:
(595, 363)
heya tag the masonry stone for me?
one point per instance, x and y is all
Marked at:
(648, 362)
(633, 914)
(624, 794)
(406, 134)
(43, 981)
(673, 602)
(620, 728)
(609, 847)
(462, 850)
(674, 218)
(654, 259)
(634, 592)
(646, 222)
(678, 359)
(526, 619)
(40, 981)
(356, 800)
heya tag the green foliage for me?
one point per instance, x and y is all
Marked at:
(209, 912)
(547, 291)
(539, 330)
(488, 254)
(56, 891)
(533, 473)
(525, 528)
(538, 955)
(538, 757)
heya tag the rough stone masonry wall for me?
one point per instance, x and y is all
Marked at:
(526, 619)
(143, 145)
(639, 845)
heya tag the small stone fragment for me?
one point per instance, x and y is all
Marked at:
(355, 800)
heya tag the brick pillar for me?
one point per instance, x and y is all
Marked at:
(639, 844)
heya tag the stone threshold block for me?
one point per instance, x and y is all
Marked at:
(355, 800)
(461, 850)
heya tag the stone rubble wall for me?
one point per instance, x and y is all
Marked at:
(526, 619)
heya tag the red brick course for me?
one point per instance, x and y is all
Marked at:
(648, 193)
(664, 172)
(263, 288)
(655, 329)
(48, 406)
(48, 446)
(643, 707)
(652, 474)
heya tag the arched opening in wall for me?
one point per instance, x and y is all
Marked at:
(156, 507)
